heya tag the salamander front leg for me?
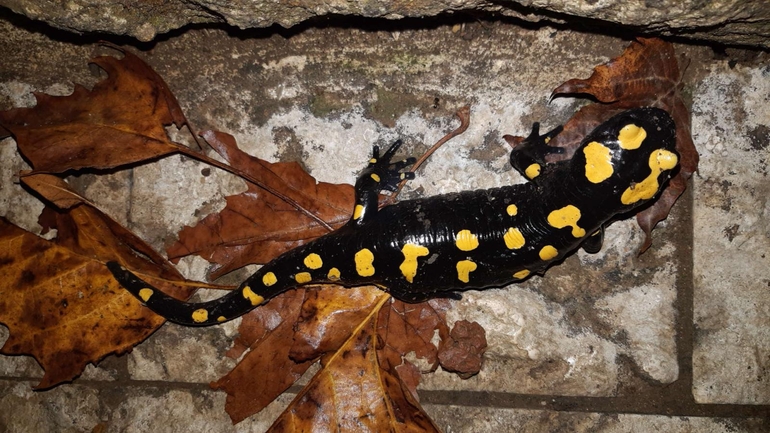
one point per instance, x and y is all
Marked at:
(379, 175)
(528, 157)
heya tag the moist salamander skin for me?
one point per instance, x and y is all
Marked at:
(439, 246)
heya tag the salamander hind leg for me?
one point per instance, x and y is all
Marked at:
(381, 174)
(593, 243)
(528, 157)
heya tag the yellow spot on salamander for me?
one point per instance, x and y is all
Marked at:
(598, 162)
(221, 319)
(334, 274)
(409, 266)
(200, 315)
(373, 161)
(532, 171)
(466, 241)
(548, 252)
(512, 210)
(303, 277)
(660, 160)
(631, 137)
(269, 279)
(567, 216)
(364, 263)
(513, 239)
(358, 211)
(252, 297)
(521, 274)
(313, 261)
(464, 269)
(375, 177)
(145, 294)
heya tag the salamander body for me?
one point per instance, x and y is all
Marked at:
(441, 245)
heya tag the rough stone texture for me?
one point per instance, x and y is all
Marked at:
(510, 420)
(614, 327)
(159, 359)
(732, 214)
(147, 408)
(727, 21)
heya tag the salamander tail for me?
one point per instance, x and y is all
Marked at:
(227, 307)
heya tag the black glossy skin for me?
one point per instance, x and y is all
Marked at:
(434, 223)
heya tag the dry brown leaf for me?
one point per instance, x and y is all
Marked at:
(258, 225)
(353, 392)
(318, 319)
(408, 328)
(328, 317)
(120, 121)
(61, 304)
(273, 364)
(463, 351)
(266, 371)
(59, 301)
(54, 189)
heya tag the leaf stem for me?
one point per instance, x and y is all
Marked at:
(464, 114)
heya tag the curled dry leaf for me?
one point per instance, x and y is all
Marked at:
(257, 225)
(645, 74)
(463, 351)
(412, 328)
(120, 121)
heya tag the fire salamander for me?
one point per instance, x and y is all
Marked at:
(439, 246)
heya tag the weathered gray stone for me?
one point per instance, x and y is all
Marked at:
(175, 354)
(731, 360)
(125, 408)
(475, 419)
(725, 21)
(69, 408)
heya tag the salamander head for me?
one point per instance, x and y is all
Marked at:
(627, 159)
